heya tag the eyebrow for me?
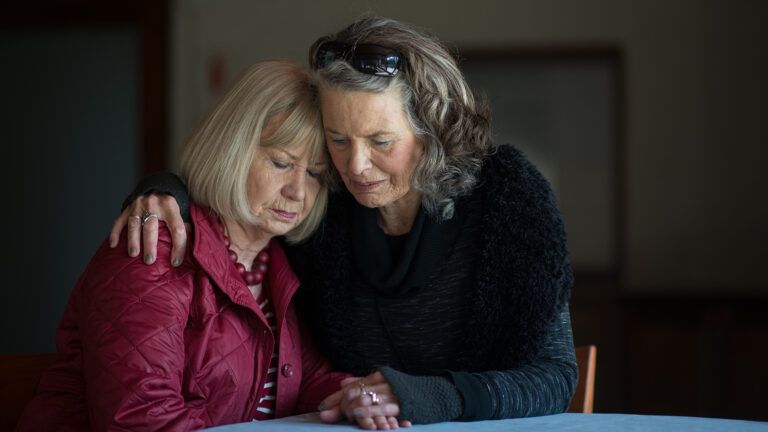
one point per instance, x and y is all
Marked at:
(370, 135)
(379, 133)
(290, 155)
(294, 157)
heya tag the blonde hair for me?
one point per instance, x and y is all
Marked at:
(216, 161)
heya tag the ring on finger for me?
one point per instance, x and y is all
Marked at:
(146, 216)
(375, 400)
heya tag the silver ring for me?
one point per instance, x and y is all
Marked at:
(145, 216)
(374, 397)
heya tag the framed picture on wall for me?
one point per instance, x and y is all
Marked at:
(564, 108)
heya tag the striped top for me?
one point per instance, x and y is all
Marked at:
(265, 409)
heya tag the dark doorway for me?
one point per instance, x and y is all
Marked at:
(84, 115)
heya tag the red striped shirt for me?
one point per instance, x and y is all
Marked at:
(265, 409)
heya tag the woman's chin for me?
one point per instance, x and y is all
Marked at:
(276, 228)
(283, 229)
(366, 200)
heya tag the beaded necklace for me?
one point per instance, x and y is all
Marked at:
(258, 270)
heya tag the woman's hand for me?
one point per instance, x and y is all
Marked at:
(166, 209)
(356, 403)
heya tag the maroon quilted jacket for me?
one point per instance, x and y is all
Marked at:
(175, 348)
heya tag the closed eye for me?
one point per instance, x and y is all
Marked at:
(280, 164)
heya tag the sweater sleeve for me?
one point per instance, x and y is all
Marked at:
(424, 399)
(162, 183)
(541, 387)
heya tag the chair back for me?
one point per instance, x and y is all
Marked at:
(583, 399)
(19, 376)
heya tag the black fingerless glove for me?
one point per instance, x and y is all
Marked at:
(164, 183)
(424, 399)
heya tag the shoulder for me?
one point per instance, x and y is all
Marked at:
(515, 188)
(524, 273)
(523, 221)
(121, 286)
(508, 167)
(129, 312)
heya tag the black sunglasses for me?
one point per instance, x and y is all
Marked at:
(367, 58)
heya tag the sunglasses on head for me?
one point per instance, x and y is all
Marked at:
(366, 58)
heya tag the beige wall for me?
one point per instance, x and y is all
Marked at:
(696, 96)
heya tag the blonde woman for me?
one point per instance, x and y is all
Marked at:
(213, 338)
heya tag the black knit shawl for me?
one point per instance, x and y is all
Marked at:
(523, 279)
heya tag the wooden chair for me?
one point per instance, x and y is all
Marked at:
(19, 376)
(583, 399)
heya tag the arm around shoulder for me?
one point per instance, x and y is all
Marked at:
(163, 183)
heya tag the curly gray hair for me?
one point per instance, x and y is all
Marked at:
(443, 112)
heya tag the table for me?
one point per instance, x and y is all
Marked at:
(560, 423)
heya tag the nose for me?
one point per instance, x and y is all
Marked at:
(295, 187)
(359, 158)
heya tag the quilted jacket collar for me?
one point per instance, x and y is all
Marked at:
(209, 251)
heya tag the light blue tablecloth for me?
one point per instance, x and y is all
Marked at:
(554, 423)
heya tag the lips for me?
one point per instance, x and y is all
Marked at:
(286, 215)
(366, 186)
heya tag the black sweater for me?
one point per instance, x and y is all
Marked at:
(483, 331)
(476, 327)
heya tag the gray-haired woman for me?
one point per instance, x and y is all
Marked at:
(442, 267)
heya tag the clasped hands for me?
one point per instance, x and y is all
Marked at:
(368, 401)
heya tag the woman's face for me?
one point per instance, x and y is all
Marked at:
(371, 144)
(282, 186)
